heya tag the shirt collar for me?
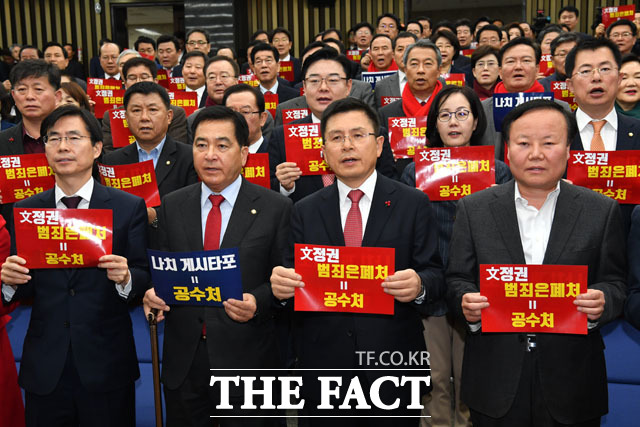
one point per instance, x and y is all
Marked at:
(367, 187)
(157, 149)
(583, 119)
(230, 192)
(274, 89)
(85, 192)
(286, 58)
(401, 76)
(253, 148)
(314, 119)
(519, 199)
(115, 76)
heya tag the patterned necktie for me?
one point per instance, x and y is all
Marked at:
(328, 179)
(353, 225)
(214, 223)
(597, 144)
(71, 202)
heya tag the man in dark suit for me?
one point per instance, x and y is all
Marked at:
(79, 360)
(144, 70)
(169, 55)
(392, 215)
(514, 379)
(36, 92)
(265, 62)
(148, 115)
(108, 57)
(560, 47)
(392, 86)
(251, 218)
(280, 38)
(286, 177)
(632, 305)
(193, 73)
(249, 102)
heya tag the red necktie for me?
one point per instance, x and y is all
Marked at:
(328, 179)
(353, 225)
(214, 223)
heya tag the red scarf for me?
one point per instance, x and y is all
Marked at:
(209, 102)
(481, 91)
(412, 107)
(372, 68)
(537, 87)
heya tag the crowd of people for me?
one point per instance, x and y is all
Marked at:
(79, 360)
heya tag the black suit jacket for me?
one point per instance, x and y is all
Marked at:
(258, 226)
(81, 309)
(308, 184)
(632, 305)
(285, 91)
(174, 169)
(400, 218)
(586, 230)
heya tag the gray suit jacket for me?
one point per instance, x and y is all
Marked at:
(493, 137)
(586, 230)
(387, 87)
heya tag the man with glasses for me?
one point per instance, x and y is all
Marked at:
(388, 24)
(325, 81)
(79, 362)
(393, 85)
(623, 34)
(144, 70)
(364, 34)
(280, 38)
(249, 102)
(265, 63)
(560, 47)
(109, 61)
(198, 39)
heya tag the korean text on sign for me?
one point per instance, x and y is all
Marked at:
(406, 135)
(196, 278)
(120, 133)
(23, 176)
(612, 173)
(615, 13)
(343, 279)
(256, 169)
(452, 173)
(533, 298)
(138, 179)
(303, 145)
(63, 238)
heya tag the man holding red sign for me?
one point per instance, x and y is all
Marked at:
(363, 208)
(548, 379)
(79, 361)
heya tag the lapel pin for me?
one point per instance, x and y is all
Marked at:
(630, 133)
(10, 139)
(168, 162)
(253, 211)
(387, 203)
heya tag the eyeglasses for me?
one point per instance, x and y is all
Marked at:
(267, 61)
(622, 35)
(140, 78)
(332, 81)
(283, 40)
(107, 58)
(356, 137)
(197, 42)
(603, 71)
(222, 77)
(246, 113)
(385, 26)
(363, 33)
(55, 140)
(489, 64)
(461, 115)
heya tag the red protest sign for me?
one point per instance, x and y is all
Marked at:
(562, 92)
(354, 55)
(386, 100)
(120, 133)
(612, 173)
(187, 100)
(63, 238)
(292, 114)
(533, 298)
(256, 169)
(23, 176)
(271, 103)
(343, 279)
(176, 84)
(286, 70)
(456, 79)
(546, 66)
(615, 13)
(467, 52)
(249, 79)
(452, 173)
(106, 93)
(138, 179)
(406, 134)
(303, 145)
(163, 78)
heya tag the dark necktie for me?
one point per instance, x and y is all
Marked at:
(71, 202)
(353, 225)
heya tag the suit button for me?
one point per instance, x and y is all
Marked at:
(349, 333)
(72, 292)
(66, 324)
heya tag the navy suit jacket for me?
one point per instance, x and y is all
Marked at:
(632, 305)
(285, 91)
(308, 184)
(79, 309)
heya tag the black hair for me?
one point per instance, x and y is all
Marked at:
(620, 22)
(329, 54)
(445, 24)
(333, 30)
(534, 105)
(93, 127)
(571, 9)
(483, 51)
(233, 51)
(35, 68)
(489, 27)
(198, 30)
(515, 25)
(389, 15)
(452, 39)
(518, 41)
(241, 87)
(219, 58)
(311, 46)
(347, 105)
(476, 109)
(564, 38)
(166, 38)
(56, 44)
(377, 36)
(552, 28)
(413, 21)
(28, 46)
(403, 35)
(464, 22)
(147, 88)
(257, 33)
(137, 61)
(479, 20)
(264, 47)
(364, 25)
(280, 30)
(336, 41)
(193, 53)
(591, 43)
(222, 113)
(144, 39)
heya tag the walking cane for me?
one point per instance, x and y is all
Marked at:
(155, 363)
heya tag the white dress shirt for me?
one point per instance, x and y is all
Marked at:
(199, 92)
(367, 187)
(253, 148)
(402, 80)
(609, 132)
(274, 88)
(230, 194)
(535, 225)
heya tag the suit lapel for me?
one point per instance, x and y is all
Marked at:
(383, 204)
(565, 218)
(15, 143)
(99, 197)
(166, 160)
(191, 218)
(626, 135)
(244, 213)
(330, 214)
(504, 213)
